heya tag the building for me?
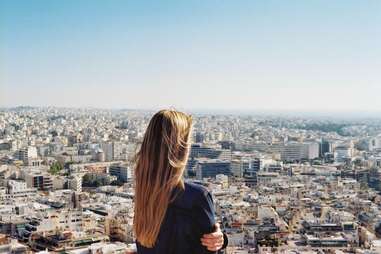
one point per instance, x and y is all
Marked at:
(265, 178)
(325, 147)
(294, 151)
(342, 153)
(375, 144)
(122, 172)
(321, 242)
(112, 151)
(108, 150)
(75, 183)
(239, 167)
(211, 167)
(199, 137)
(27, 153)
(250, 173)
(53, 221)
(38, 180)
(17, 189)
(5, 146)
(200, 151)
(313, 150)
(8, 245)
(58, 243)
(100, 156)
(117, 148)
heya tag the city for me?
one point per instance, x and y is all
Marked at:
(281, 184)
(263, 122)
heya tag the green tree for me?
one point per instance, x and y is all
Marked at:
(55, 168)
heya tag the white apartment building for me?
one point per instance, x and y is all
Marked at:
(27, 153)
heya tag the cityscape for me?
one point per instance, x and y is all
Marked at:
(281, 184)
(286, 132)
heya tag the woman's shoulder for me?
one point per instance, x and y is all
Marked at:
(195, 188)
(191, 195)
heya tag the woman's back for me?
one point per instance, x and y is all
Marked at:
(188, 217)
(171, 216)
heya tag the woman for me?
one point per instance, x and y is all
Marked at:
(171, 216)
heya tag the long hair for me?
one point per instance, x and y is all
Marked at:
(159, 168)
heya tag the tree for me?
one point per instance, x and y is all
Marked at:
(117, 183)
(55, 168)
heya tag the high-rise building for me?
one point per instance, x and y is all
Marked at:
(250, 173)
(75, 183)
(325, 147)
(108, 150)
(117, 148)
(313, 150)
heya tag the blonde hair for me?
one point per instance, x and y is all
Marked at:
(159, 168)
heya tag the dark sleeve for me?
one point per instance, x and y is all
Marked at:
(223, 248)
(204, 218)
(226, 242)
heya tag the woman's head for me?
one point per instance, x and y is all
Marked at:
(159, 168)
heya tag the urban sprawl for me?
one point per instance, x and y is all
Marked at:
(281, 184)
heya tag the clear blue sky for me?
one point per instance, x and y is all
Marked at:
(318, 55)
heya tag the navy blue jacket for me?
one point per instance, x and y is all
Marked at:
(188, 217)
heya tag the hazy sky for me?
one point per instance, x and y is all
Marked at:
(253, 55)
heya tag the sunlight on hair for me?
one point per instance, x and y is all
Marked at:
(160, 164)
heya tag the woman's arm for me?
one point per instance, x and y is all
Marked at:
(215, 241)
(203, 214)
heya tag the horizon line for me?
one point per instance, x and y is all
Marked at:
(263, 111)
